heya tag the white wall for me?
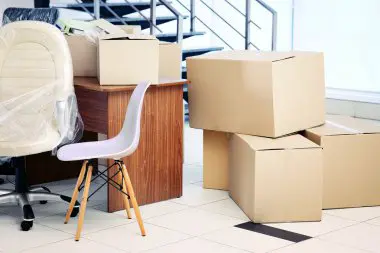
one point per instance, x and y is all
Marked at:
(348, 32)
(14, 3)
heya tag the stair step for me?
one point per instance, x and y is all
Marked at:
(120, 9)
(198, 51)
(172, 37)
(142, 21)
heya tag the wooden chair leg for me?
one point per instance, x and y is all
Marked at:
(131, 193)
(125, 197)
(83, 203)
(75, 193)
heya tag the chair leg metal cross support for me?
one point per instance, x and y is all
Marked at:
(123, 185)
(24, 196)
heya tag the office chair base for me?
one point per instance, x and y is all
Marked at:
(35, 194)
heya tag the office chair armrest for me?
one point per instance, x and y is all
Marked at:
(61, 118)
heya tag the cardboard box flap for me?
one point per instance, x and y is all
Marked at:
(288, 142)
(345, 125)
(125, 36)
(107, 26)
(261, 56)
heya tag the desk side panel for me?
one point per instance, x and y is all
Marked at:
(93, 109)
(156, 166)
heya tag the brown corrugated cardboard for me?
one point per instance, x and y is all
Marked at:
(84, 55)
(131, 29)
(351, 161)
(84, 49)
(170, 60)
(215, 160)
(258, 93)
(127, 59)
(276, 180)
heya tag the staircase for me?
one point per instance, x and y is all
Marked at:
(116, 13)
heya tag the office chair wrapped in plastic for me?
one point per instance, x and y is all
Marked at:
(38, 110)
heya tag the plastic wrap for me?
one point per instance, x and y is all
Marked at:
(36, 120)
(48, 15)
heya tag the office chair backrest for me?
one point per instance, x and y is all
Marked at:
(48, 15)
(35, 73)
(130, 132)
(33, 54)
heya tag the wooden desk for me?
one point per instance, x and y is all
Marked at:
(156, 166)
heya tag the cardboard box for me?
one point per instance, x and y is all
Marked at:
(276, 180)
(170, 61)
(351, 149)
(84, 50)
(131, 29)
(257, 93)
(215, 160)
(127, 59)
(84, 55)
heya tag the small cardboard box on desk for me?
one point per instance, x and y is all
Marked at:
(276, 180)
(127, 59)
(84, 47)
(351, 152)
(257, 93)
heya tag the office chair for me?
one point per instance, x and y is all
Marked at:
(34, 57)
(122, 145)
(48, 15)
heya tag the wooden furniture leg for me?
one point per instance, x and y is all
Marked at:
(125, 197)
(76, 191)
(83, 203)
(127, 181)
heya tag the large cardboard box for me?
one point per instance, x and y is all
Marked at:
(127, 59)
(351, 150)
(257, 93)
(84, 55)
(215, 160)
(276, 180)
(170, 61)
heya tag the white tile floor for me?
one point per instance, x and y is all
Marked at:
(201, 221)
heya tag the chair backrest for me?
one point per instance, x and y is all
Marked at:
(48, 15)
(130, 132)
(33, 55)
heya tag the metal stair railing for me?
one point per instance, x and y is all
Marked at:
(246, 15)
(151, 20)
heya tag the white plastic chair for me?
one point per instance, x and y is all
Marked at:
(124, 144)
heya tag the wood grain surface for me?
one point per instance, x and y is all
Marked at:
(156, 166)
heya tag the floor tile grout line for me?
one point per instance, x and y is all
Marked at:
(43, 245)
(170, 229)
(292, 244)
(170, 243)
(223, 244)
(224, 198)
(342, 244)
(345, 218)
(339, 229)
(111, 246)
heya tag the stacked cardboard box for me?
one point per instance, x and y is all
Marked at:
(121, 55)
(247, 101)
(253, 107)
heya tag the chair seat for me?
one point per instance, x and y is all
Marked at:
(90, 150)
(31, 146)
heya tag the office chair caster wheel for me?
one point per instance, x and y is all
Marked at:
(75, 212)
(26, 225)
(43, 202)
